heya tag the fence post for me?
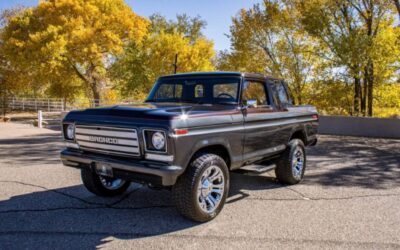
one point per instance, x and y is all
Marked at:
(40, 119)
(23, 104)
(48, 105)
(62, 104)
(36, 104)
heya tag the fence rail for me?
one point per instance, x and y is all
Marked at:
(55, 104)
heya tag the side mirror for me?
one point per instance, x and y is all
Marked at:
(251, 103)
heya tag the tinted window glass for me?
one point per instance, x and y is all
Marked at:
(281, 91)
(222, 90)
(225, 90)
(254, 91)
(199, 91)
(168, 91)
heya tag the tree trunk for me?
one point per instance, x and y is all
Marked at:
(397, 4)
(4, 96)
(370, 87)
(364, 93)
(357, 95)
(95, 92)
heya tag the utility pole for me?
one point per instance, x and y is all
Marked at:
(176, 63)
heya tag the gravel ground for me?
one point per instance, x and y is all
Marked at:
(350, 198)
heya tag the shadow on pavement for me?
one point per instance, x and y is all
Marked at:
(47, 215)
(354, 162)
(37, 150)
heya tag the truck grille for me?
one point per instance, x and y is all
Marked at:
(108, 140)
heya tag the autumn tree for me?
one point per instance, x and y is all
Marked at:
(267, 38)
(10, 76)
(68, 39)
(137, 69)
(352, 31)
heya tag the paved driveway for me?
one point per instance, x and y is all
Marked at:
(350, 198)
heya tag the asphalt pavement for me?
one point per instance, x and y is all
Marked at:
(349, 199)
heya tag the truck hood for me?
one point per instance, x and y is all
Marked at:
(160, 111)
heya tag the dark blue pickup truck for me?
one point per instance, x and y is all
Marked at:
(192, 130)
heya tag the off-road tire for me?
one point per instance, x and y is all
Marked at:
(283, 170)
(184, 191)
(92, 183)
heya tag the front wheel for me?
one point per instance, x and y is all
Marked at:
(200, 193)
(101, 185)
(292, 164)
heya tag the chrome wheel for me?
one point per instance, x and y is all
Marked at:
(111, 183)
(211, 189)
(297, 163)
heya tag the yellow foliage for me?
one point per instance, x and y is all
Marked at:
(72, 38)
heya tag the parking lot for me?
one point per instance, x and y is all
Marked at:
(350, 198)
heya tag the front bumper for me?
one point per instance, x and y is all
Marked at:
(130, 169)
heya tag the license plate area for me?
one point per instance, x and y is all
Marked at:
(103, 169)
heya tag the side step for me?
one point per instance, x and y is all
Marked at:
(258, 168)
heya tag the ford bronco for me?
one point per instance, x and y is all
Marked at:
(192, 130)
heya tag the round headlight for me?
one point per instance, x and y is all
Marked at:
(71, 132)
(158, 140)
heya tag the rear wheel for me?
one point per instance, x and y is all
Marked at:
(101, 185)
(200, 193)
(292, 164)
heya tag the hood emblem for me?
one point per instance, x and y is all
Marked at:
(106, 140)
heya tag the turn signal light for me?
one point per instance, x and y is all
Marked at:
(181, 131)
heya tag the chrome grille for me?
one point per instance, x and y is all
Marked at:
(108, 140)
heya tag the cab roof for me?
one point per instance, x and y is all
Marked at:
(220, 74)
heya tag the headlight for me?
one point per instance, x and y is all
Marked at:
(70, 132)
(158, 140)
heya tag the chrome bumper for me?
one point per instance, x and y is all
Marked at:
(134, 168)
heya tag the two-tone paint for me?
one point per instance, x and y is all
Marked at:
(243, 135)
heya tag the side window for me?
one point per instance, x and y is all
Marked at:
(169, 91)
(254, 93)
(225, 90)
(282, 94)
(199, 91)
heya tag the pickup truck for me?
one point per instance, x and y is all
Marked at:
(188, 135)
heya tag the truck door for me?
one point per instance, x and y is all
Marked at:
(259, 125)
(284, 111)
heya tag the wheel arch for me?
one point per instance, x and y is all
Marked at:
(299, 133)
(217, 149)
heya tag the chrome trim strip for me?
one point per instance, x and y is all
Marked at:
(244, 127)
(109, 146)
(156, 157)
(107, 128)
(126, 142)
(69, 144)
(124, 134)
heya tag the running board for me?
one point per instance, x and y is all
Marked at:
(258, 168)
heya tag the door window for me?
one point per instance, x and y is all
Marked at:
(281, 93)
(254, 94)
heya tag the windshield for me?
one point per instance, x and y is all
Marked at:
(196, 90)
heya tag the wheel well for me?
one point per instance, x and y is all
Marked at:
(219, 150)
(299, 134)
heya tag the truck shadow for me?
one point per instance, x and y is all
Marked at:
(50, 217)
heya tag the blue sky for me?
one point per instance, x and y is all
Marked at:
(217, 13)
